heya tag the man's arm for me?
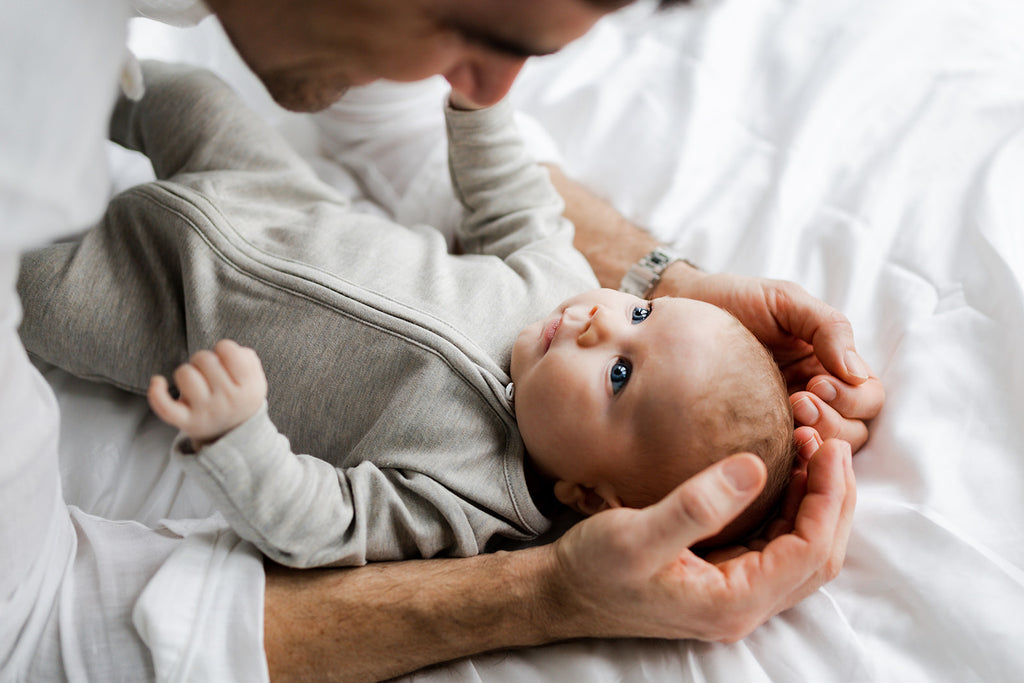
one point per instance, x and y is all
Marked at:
(382, 620)
(620, 573)
(608, 239)
(831, 387)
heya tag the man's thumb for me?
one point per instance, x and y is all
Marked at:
(702, 505)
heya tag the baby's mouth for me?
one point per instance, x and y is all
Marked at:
(549, 331)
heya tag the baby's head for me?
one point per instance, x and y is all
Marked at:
(619, 400)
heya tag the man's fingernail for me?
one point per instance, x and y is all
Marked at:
(806, 412)
(807, 442)
(741, 473)
(855, 365)
(824, 390)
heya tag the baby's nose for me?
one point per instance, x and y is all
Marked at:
(590, 332)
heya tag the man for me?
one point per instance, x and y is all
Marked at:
(75, 589)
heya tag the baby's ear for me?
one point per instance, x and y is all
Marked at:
(586, 500)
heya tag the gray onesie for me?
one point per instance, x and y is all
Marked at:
(386, 355)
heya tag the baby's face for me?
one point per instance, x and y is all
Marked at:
(594, 376)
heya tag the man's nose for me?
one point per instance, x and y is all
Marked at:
(486, 79)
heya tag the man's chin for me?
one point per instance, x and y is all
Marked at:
(301, 95)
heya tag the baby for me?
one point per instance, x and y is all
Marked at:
(618, 401)
(388, 359)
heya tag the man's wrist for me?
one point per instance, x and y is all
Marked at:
(560, 614)
(643, 277)
(678, 279)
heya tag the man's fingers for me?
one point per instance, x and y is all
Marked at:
(824, 327)
(833, 345)
(793, 565)
(861, 402)
(701, 506)
(808, 441)
(783, 523)
(837, 552)
(810, 411)
(825, 512)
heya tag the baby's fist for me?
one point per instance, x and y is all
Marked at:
(219, 390)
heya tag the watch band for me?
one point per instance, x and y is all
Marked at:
(644, 275)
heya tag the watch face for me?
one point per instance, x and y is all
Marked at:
(645, 273)
(659, 258)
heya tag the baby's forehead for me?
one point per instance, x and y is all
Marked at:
(689, 334)
(693, 372)
(692, 313)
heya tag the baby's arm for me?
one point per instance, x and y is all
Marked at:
(299, 510)
(219, 390)
(191, 121)
(514, 212)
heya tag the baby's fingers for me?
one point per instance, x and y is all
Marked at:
(212, 370)
(242, 363)
(191, 384)
(174, 413)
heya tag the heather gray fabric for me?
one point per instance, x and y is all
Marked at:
(386, 356)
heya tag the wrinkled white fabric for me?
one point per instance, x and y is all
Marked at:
(69, 580)
(196, 622)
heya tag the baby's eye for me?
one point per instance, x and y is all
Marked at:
(620, 374)
(640, 313)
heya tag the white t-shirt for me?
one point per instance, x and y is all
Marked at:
(84, 598)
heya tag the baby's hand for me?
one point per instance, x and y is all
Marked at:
(219, 389)
(460, 101)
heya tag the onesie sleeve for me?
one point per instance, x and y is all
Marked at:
(513, 210)
(191, 121)
(302, 512)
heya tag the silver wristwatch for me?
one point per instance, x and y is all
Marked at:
(644, 275)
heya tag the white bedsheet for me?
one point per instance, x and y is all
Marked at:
(871, 150)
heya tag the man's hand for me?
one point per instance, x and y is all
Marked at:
(219, 390)
(832, 389)
(630, 571)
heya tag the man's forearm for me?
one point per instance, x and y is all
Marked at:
(609, 241)
(379, 621)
